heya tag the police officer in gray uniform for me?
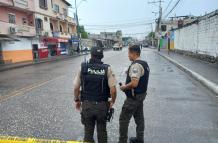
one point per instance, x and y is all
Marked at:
(97, 95)
(135, 89)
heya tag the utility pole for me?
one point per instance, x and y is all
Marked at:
(77, 27)
(158, 28)
(152, 38)
(77, 20)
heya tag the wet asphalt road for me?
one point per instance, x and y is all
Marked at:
(37, 101)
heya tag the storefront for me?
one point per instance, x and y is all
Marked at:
(64, 46)
(50, 47)
(74, 42)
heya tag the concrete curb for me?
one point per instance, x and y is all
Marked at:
(36, 63)
(210, 85)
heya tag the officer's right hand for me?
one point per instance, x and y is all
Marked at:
(78, 105)
(111, 104)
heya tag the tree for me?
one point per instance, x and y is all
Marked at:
(151, 35)
(81, 30)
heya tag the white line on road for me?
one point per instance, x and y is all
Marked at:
(26, 89)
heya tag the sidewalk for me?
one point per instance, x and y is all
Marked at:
(205, 71)
(5, 67)
(23, 64)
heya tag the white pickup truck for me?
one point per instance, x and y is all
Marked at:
(117, 47)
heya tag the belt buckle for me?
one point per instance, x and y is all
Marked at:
(96, 102)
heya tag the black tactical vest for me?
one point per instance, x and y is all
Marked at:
(143, 81)
(94, 82)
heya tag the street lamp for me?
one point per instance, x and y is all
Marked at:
(76, 7)
(77, 20)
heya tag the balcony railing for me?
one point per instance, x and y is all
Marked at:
(19, 30)
(61, 34)
(71, 20)
(22, 2)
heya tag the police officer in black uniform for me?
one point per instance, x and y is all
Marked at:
(97, 95)
(135, 89)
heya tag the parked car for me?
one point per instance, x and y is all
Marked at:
(117, 47)
(64, 52)
(145, 45)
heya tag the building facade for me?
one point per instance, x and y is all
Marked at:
(167, 35)
(34, 29)
(106, 39)
(54, 28)
(17, 30)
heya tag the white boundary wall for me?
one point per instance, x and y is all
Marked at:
(201, 37)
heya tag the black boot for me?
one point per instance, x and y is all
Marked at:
(135, 140)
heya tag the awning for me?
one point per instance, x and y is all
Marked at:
(6, 38)
(55, 40)
(63, 40)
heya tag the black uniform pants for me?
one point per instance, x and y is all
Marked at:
(132, 107)
(94, 113)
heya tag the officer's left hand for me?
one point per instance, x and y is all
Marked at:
(123, 87)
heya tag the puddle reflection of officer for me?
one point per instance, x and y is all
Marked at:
(135, 90)
(97, 83)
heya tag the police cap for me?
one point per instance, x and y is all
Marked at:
(97, 52)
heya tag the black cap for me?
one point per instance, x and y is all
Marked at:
(97, 52)
(135, 48)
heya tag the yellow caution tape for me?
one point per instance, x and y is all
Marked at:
(10, 139)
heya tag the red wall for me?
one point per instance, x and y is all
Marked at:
(43, 53)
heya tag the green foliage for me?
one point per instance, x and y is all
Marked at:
(151, 35)
(81, 30)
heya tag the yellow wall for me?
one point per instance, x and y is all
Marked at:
(171, 44)
(17, 56)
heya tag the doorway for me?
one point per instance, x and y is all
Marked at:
(52, 50)
(1, 54)
(35, 52)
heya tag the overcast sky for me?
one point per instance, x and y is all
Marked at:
(130, 16)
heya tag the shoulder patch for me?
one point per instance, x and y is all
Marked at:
(135, 70)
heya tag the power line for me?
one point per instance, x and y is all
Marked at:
(172, 9)
(122, 24)
(168, 6)
(136, 33)
(121, 27)
(122, 21)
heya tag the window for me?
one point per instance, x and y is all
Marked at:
(22, 2)
(163, 28)
(56, 8)
(51, 26)
(31, 23)
(39, 24)
(45, 19)
(61, 29)
(11, 18)
(24, 21)
(43, 4)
